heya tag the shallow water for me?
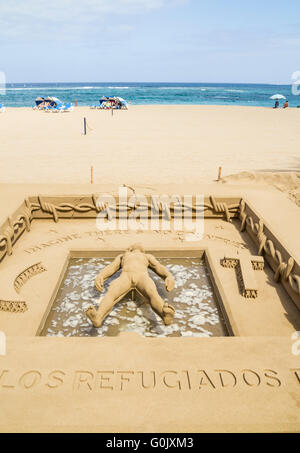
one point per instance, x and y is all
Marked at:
(197, 313)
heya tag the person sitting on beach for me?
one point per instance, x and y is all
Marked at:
(286, 104)
(276, 104)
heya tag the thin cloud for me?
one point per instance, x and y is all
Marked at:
(70, 8)
(32, 18)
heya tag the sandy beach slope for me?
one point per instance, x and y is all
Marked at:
(147, 144)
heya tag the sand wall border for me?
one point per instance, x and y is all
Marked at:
(87, 206)
(286, 268)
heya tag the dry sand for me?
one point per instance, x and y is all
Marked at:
(146, 144)
(287, 182)
(155, 148)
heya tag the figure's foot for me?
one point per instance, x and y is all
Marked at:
(168, 314)
(91, 313)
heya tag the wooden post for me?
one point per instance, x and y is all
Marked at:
(112, 112)
(220, 174)
(92, 174)
(84, 126)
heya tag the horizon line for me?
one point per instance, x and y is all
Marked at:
(190, 83)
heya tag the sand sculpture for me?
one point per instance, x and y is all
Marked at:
(245, 265)
(28, 273)
(286, 268)
(134, 276)
(63, 207)
(13, 306)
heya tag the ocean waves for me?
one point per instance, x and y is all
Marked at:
(23, 95)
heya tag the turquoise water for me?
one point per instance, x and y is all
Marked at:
(23, 95)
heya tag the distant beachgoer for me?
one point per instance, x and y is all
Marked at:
(276, 104)
(286, 104)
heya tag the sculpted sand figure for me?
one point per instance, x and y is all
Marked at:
(134, 264)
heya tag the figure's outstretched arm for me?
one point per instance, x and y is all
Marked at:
(162, 271)
(107, 272)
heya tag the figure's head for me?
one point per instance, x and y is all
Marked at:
(134, 247)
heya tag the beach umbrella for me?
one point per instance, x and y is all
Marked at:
(277, 96)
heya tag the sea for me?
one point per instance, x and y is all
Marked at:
(88, 94)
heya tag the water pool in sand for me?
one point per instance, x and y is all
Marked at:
(197, 313)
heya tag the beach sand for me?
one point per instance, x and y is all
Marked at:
(146, 144)
(154, 149)
(287, 182)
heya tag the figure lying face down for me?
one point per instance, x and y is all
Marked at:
(134, 264)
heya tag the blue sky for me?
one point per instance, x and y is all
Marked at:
(149, 40)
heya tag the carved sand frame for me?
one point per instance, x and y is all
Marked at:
(286, 268)
(87, 207)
